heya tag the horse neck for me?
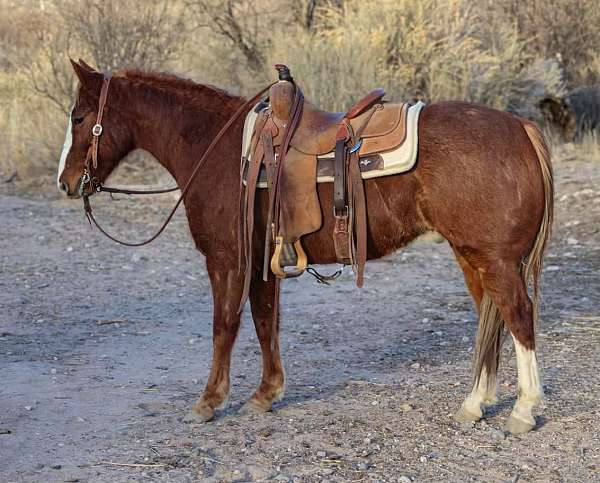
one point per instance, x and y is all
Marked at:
(177, 132)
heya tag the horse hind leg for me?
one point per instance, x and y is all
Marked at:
(530, 392)
(472, 278)
(507, 289)
(483, 393)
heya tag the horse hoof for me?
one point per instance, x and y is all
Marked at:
(199, 415)
(463, 415)
(254, 407)
(518, 426)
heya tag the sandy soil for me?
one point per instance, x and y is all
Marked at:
(103, 349)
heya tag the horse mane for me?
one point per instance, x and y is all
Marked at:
(179, 88)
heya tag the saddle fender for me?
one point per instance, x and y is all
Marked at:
(300, 211)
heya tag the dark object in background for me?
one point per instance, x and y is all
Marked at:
(575, 113)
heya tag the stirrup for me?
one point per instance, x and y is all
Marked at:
(276, 261)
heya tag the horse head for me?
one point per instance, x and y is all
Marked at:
(111, 138)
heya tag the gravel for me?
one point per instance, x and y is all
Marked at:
(107, 399)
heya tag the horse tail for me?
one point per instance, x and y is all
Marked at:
(491, 332)
(532, 268)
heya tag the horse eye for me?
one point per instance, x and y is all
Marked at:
(78, 120)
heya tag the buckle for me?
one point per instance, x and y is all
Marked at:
(356, 147)
(342, 213)
(97, 130)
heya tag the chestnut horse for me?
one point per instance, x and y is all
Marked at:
(483, 180)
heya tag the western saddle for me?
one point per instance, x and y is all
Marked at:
(291, 142)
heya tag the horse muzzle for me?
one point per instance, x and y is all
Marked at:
(84, 186)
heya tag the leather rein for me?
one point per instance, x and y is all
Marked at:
(91, 164)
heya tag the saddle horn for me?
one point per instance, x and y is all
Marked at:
(284, 73)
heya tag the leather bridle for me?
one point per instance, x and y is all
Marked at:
(91, 160)
(92, 154)
(91, 164)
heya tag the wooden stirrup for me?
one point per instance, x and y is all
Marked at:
(301, 264)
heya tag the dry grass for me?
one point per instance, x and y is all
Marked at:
(587, 148)
(493, 52)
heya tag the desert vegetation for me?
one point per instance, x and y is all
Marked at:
(504, 53)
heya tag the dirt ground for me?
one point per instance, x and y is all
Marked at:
(103, 349)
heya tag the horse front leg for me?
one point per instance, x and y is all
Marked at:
(263, 301)
(227, 288)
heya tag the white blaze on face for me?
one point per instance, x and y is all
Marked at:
(65, 150)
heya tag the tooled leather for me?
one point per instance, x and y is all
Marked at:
(341, 239)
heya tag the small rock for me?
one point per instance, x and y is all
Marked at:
(321, 454)
(28, 408)
(56, 467)
(467, 425)
(138, 257)
(363, 465)
(423, 459)
(416, 365)
(257, 473)
(572, 241)
(404, 479)
(327, 472)
(497, 434)
(406, 407)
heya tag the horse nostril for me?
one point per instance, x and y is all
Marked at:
(64, 187)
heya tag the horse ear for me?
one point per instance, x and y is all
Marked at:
(85, 65)
(90, 80)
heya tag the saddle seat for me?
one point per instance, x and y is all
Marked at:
(382, 124)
